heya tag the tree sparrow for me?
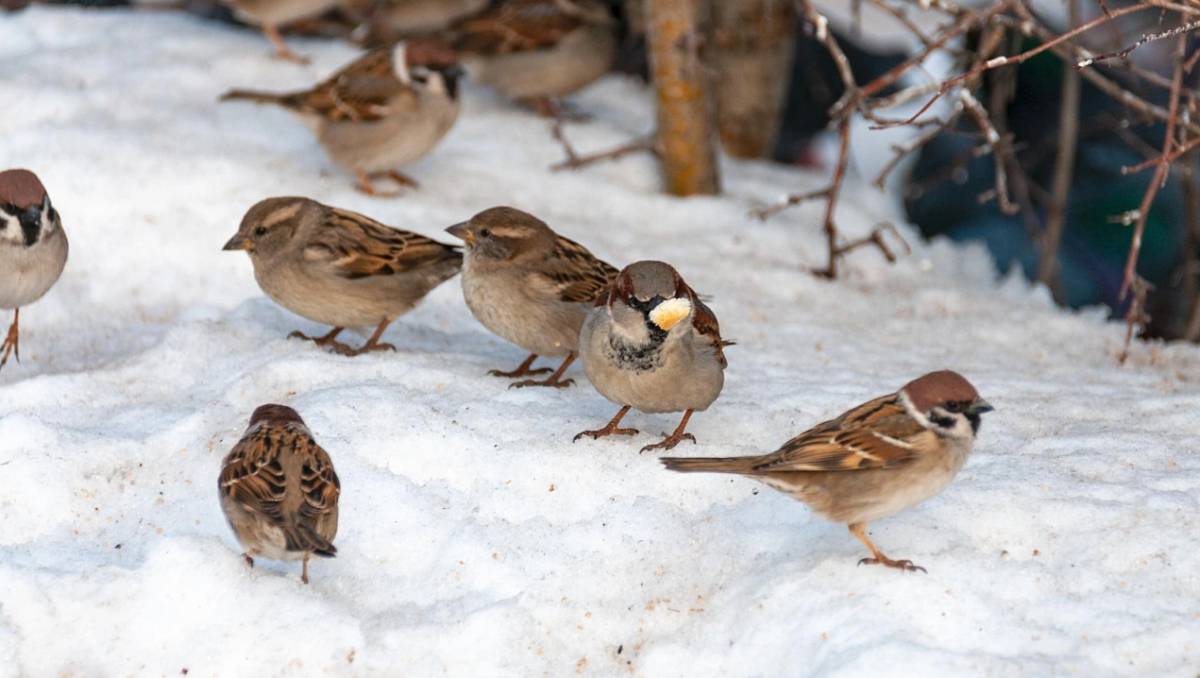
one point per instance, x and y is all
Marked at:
(874, 461)
(529, 285)
(337, 267)
(382, 111)
(279, 491)
(652, 344)
(537, 50)
(33, 248)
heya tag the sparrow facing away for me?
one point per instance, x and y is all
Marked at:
(33, 248)
(876, 460)
(529, 285)
(537, 50)
(279, 491)
(340, 268)
(382, 111)
(653, 344)
(270, 14)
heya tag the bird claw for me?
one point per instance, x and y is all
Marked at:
(368, 348)
(670, 442)
(249, 560)
(906, 565)
(544, 382)
(600, 433)
(519, 372)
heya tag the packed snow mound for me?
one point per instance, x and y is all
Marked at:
(476, 539)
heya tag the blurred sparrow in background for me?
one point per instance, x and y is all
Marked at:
(33, 249)
(389, 21)
(337, 267)
(279, 491)
(268, 15)
(653, 345)
(874, 461)
(529, 285)
(384, 110)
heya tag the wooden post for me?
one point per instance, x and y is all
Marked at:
(753, 43)
(686, 133)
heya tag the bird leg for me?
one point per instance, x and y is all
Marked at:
(304, 571)
(552, 380)
(249, 560)
(327, 340)
(611, 429)
(860, 530)
(371, 345)
(675, 438)
(12, 343)
(365, 185)
(282, 51)
(550, 107)
(523, 370)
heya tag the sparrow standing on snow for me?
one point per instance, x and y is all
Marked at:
(279, 491)
(874, 461)
(537, 50)
(33, 248)
(652, 344)
(529, 285)
(270, 14)
(337, 267)
(382, 111)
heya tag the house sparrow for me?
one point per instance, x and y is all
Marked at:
(279, 491)
(537, 50)
(529, 285)
(268, 15)
(653, 344)
(337, 267)
(33, 248)
(382, 111)
(874, 461)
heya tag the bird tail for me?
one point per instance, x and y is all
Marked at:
(257, 97)
(740, 465)
(304, 538)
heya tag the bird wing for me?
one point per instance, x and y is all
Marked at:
(705, 322)
(877, 434)
(516, 26)
(575, 274)
(355, 246)
(364, 90)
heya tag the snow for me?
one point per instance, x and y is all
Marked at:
(476, 539)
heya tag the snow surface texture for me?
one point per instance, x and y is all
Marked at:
(476, 539)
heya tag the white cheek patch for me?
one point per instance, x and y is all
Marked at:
(10, 230)
(400, 64)
(668, 314)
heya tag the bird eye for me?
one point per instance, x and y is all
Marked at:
(485, 233)
(953, 407)
(261, 230)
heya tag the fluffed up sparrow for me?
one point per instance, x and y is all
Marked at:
(340, 268)
(653, 344)
(529, 285)
(537, 50)
(279, 491)
(874, 461)
(33, 249)
(382, 111)
(268, 15)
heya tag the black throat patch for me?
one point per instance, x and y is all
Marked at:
(638, 358)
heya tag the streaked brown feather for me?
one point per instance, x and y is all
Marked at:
(515, 26)
(577, 274)
(356, 246)
(705, 322)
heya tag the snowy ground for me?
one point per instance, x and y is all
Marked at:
(476, 539)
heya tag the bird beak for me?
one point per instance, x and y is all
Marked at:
(667, 314)
(980, 406)
(461, 232)
(239, 242)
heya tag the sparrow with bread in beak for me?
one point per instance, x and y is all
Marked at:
(876, 460)
(653, 345)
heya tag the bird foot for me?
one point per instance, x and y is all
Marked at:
(670, 442)
(403, 181)
(11, 345)
(366, 348)
(249, 560)
(520, 372)
(552, 382)
(327, 340)
(606, 431)
(906, 565)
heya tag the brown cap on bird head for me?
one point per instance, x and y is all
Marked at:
(21, 188)
(938, 388)
(275, 414)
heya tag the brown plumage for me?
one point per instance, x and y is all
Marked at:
(529, 285)
(279, 491)
(873, 461)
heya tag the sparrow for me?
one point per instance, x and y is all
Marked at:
(268, 15)
(33, 248)
(537, 50)
(388, 21)
(530, 285)
(382, 111)
(340, 268)
(279, 491)
(876, 460)
(651, 343)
